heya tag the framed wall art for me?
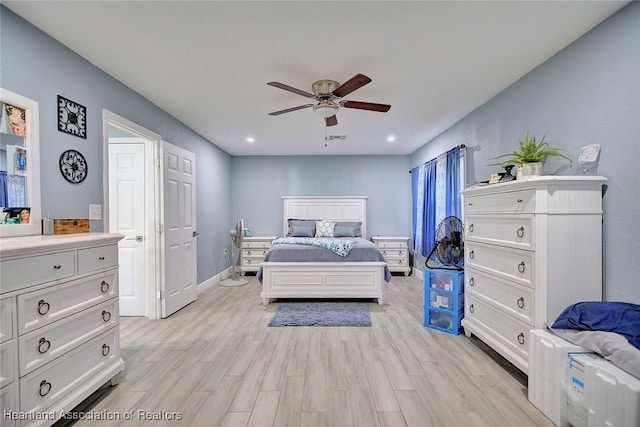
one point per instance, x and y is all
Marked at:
(72, 117)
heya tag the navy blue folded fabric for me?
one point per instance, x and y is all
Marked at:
(609, 316)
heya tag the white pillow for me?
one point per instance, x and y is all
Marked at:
(325, 228)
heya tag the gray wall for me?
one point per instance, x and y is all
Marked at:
(587, 93)
(38, 67)
(260, 182)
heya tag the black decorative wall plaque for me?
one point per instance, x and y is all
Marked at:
(73, 166)
(72, 117)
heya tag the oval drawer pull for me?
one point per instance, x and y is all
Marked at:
(105, 349)
(264, 253)
(472, 281)
(399, 262)
(520, 232)
(249, 253)
(106, 316)
(44, 345)
(521, 338)
(101, 258)
(519, 200)
(248, 261)
(471, 308)
(521, 267)
(45, 388)
(57, 267)
(520, 302)
(471, 255)
(43, 307)
(104, 287)
(471, 228)
(400, 253)
(384, 253)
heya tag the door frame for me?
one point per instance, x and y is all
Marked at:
(152, 250)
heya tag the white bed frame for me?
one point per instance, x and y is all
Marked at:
(323, 279)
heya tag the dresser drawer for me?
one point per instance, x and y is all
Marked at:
(521, 201)
(515, 231)
(6, 318)
(45, 344)
(514, 299)
(510, 333)
(9, 402)
(93, 259)
(258, 254)
(39, 308)
(257, 244)
(43, 387)
(508, 263)
(7, 362)
(22, 272)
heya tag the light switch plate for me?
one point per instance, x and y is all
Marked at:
(95, 212)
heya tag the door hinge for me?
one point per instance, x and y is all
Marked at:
(160, 228)
(158, 162)
(160, 295)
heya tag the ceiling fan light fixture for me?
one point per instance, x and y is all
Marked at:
(325, 109)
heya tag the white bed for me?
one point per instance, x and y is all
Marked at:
(323, 279)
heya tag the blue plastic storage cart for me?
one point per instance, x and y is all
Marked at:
(443, 299)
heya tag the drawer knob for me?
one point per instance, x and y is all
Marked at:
(472, 281)
(519, 200)
(471, 254)
(521, 338)
(43, 307)
(520, 232)
(471, 308)
(44, 345)
(105, 349)
(57, 267)
(521, 267)
(471, 228)
(101, 258)
(104, 287)
(106, 316)
(520, 302)
(45, 388)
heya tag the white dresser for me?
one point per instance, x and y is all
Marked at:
(395, 250)
(59, 335)
(532, 248)
(254, 249)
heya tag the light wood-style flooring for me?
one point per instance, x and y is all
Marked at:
(216, 363)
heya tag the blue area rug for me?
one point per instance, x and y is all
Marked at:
(322, 314)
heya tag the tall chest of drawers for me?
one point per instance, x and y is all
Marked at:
(532, 248)
(59, 336)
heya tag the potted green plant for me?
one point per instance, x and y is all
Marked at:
(531, 155)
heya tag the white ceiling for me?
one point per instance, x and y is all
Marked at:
(207, 62)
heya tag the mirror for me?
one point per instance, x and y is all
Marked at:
(20, 212)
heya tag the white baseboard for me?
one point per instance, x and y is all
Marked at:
(214, 280)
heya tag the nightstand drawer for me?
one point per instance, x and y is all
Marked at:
(392, 244)
(256, 244)
(505, 202)
(394, 253)
(254, 253)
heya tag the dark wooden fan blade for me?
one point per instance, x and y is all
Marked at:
(288, 110)
(355, 82)
(383, 108)
(331, 121)
(291, 89)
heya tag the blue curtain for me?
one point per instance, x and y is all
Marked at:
(425, 197)
(4, 191)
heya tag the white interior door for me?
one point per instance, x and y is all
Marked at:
(179, 223)
(127, 217)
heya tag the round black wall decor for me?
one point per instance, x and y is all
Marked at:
(73, 166)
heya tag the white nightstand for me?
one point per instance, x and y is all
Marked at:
(254, 249)
(396, 252)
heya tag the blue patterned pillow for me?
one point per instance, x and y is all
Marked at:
(325, 228)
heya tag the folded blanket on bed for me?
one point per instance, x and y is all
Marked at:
(340, 247)
(620, 317)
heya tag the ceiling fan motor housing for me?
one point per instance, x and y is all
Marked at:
(324, 88)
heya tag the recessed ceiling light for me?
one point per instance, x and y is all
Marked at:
(391, 138)
(250, 140)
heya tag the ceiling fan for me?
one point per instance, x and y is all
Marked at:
(328, 94)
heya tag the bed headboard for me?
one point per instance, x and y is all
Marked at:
(335, 208)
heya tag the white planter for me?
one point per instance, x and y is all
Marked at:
(528, 169)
